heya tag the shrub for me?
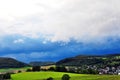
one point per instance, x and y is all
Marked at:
(28, 70)
(88, 71)
(61, 69)
(7, 76)
(51, 69)
(65, 77)
(1, 76)
(19, 71)
(43, 69)
(36, 68)
(50, 78)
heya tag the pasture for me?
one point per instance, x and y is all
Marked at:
(58, 75)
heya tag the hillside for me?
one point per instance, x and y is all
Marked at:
(39, 63)
(11, 63)
(80, 60)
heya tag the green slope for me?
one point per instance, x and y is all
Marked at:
(99, 61)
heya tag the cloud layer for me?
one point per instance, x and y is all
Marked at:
(59, 28)
(61, 20)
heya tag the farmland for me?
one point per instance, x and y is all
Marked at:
(57, 76)
(13, 69)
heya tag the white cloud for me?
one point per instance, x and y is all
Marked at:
(18, 41)
(61, 20)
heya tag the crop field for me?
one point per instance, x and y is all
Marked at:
(58, 75)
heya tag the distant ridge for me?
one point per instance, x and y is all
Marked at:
(6, 62)
(116, 54)
(40, 63)
(80, 60)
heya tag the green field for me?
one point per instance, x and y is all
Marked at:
(58, 75)
(12, 69)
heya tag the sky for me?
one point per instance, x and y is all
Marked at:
(50, 30)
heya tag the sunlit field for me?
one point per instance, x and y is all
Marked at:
(58, 75)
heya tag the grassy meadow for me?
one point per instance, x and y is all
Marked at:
(13, 69)
(58, 75)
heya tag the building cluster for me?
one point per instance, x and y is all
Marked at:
(110, 70)
(105, 70)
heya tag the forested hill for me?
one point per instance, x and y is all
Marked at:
(11, 63)
(81, 60)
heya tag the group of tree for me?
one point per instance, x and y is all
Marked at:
(81, 71)
(87, 71)
(34, 68)
(5, 76)
(63, 69)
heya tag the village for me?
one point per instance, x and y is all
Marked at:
(85, 70)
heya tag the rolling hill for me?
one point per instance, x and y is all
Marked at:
(11, 63)
(80, 60)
